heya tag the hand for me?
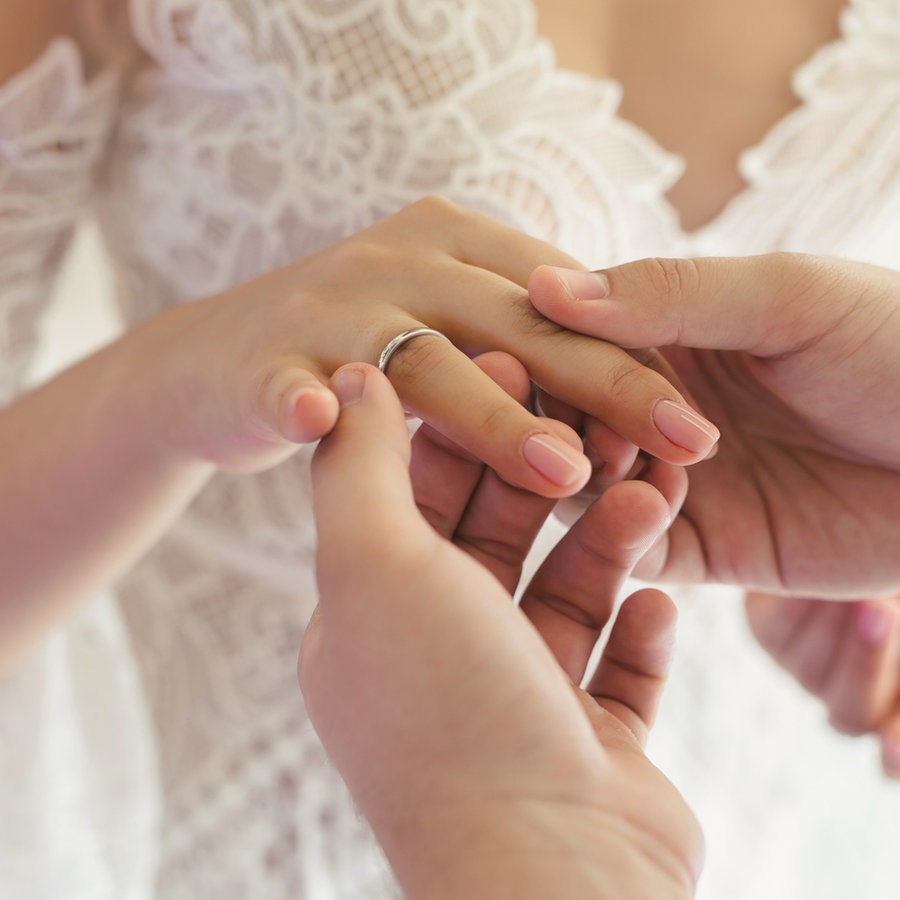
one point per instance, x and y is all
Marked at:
(243, 375)
(847, 654)
(479, 766)
(795, 358)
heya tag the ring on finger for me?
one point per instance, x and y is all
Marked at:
(395, 343)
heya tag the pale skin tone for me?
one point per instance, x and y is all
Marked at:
(109, 424)
(237, 381)
(155, 486)
(511, 783)
(706, 79)
(803, 496)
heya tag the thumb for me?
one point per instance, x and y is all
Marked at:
(764, 305)
(362, 499)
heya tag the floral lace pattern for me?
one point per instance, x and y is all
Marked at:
(53, 130)
(261, 130)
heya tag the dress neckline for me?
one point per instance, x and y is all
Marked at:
(751, 163)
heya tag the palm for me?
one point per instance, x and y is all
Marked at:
(786, 504)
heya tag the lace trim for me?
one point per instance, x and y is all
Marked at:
(53, 130)
(848, 121)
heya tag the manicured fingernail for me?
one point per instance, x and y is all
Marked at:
(349, 386)
(683, 427)
(556, 460)
(583, 285)
(873, 623)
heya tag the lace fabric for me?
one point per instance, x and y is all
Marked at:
(259, 131)
(53, 130)
(79, 790)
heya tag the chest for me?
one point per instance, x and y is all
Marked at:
(705, 78)
(277, 127)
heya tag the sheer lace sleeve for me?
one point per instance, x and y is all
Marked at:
(53, 130)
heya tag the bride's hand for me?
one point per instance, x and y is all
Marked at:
(242, 376)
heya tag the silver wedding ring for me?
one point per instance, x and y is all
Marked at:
(395, 343)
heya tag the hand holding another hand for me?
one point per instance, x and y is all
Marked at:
(242, 376)
(795, 358)
(480, 767)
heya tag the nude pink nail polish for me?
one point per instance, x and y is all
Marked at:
(683, 427)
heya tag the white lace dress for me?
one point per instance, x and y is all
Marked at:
(158, 746)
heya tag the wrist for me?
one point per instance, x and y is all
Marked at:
(203, 395)
(138, 387)
(529, 848)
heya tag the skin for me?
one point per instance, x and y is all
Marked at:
(795, 358)
(238, 380)
(463, 740)
(682, 65)
(132, 459)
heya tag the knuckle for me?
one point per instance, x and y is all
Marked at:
(626, 377)
(363, 253)
(436, 206)
(675, 279)
(301, 305)
(496, 419)
(531, 322)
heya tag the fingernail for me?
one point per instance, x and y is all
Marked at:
(683, 427)
(556, 460)
(583, 285)
(873, 623)
(349, 386)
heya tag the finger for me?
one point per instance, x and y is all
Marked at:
(361, 488)
(500, 525)
(474, 238)
(462, 274)
(862, 686)
(652, 359)
(444, 475)
(775, 620)
(631, 672)
(612, 457)
(612, 460)
(813, 646)
(545, 404)
(572, 595)
(440, 384)
(295, 404)
(671, 481)
(765, 305)
(467, 503)
(672, 484)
